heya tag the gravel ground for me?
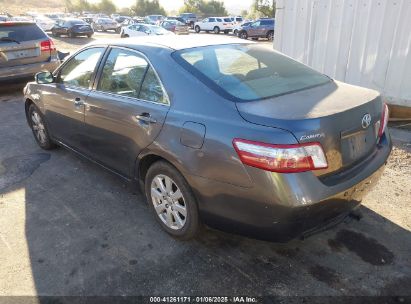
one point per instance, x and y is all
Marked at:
(67, 227)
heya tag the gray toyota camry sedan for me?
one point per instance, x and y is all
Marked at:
(224, 132)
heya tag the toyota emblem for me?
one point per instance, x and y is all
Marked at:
(366, 121)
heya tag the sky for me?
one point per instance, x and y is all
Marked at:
(233, 6)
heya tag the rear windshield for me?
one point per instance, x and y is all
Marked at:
(20, 32)
(248, 72)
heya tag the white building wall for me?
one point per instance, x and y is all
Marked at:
(362, 42)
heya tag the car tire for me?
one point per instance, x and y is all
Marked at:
(235, 32)
(89, 35)
(39, 128)
(216, 30)
(197, 29)
(243, 35)
(71, 34)
(126, 36)
(178, 217)
(270, 35)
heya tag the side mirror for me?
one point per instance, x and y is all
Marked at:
(44, 77)
(62, 56)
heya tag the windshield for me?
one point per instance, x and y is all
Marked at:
(248, 72)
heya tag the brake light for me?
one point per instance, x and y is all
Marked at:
(281, 158)
(47, 45)
(384, 120)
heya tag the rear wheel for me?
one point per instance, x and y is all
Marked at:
(235, 32)
(216, 30)
(197, 29)
(39, 128)
(126, 36)
(172, 201)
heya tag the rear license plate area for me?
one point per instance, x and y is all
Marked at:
(356, 145)
(13, 55)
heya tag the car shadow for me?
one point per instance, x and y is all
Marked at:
(87, 234)
(69, 227)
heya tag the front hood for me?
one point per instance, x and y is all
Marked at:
(330, 114)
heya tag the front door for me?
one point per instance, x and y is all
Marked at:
(64, 100)
(126, 111)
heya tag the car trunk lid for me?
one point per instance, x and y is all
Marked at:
(343, 118)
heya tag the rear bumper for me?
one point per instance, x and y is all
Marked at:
(28, 70)
(281, 207)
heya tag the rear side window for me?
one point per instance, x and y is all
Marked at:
(79, 70)
(211, 20)
(20, 32)
(248, 72)
(228, 19)
(152, 90)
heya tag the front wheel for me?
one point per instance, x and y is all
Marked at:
(243, 35)
(39, 128)
(172, 201)
(216, 30)
(270, 36)
(197, 29)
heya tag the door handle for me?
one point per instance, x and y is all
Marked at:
(146, 117)
(78, 102)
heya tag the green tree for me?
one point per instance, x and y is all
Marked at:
(264, 8)
(106, 6)
(204, 8)
(148, 7)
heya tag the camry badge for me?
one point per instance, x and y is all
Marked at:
(366, 121)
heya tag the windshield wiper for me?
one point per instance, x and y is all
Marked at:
(7, 39)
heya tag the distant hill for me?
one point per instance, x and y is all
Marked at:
(19, 7)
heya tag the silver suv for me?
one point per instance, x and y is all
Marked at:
(25, 50)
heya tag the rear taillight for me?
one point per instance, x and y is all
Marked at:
(384, 120)
(47, 45)
(281, 158)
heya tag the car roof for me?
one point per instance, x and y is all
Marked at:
(172, 42)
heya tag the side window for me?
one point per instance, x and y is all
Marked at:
(256, 24)
(211, 20)
(79, 70)
(152, 90)
(123, 73)
(219, 20)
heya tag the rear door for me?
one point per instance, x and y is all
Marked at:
(126, 111)
(254, 29)
(21, 44)
(65, 99)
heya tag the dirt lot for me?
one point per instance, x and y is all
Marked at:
(67, 227)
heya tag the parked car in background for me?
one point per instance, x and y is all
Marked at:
(137, 30)
(25, 49)
(262, 28)
(175, 26)
(72, 28)
(215, 24)
(238, 27)
(44, 22)
(236, 19)
(129, 21)
(104, 24)
(114, 16)
(175, 18)
(155, 19)
(21, 18)
(229, 133)
(89, 20)
(54, 16)
(120, 19)
(189, 19)
(4, 18)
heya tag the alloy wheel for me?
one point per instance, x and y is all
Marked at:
(38, 127)
(168, 202)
